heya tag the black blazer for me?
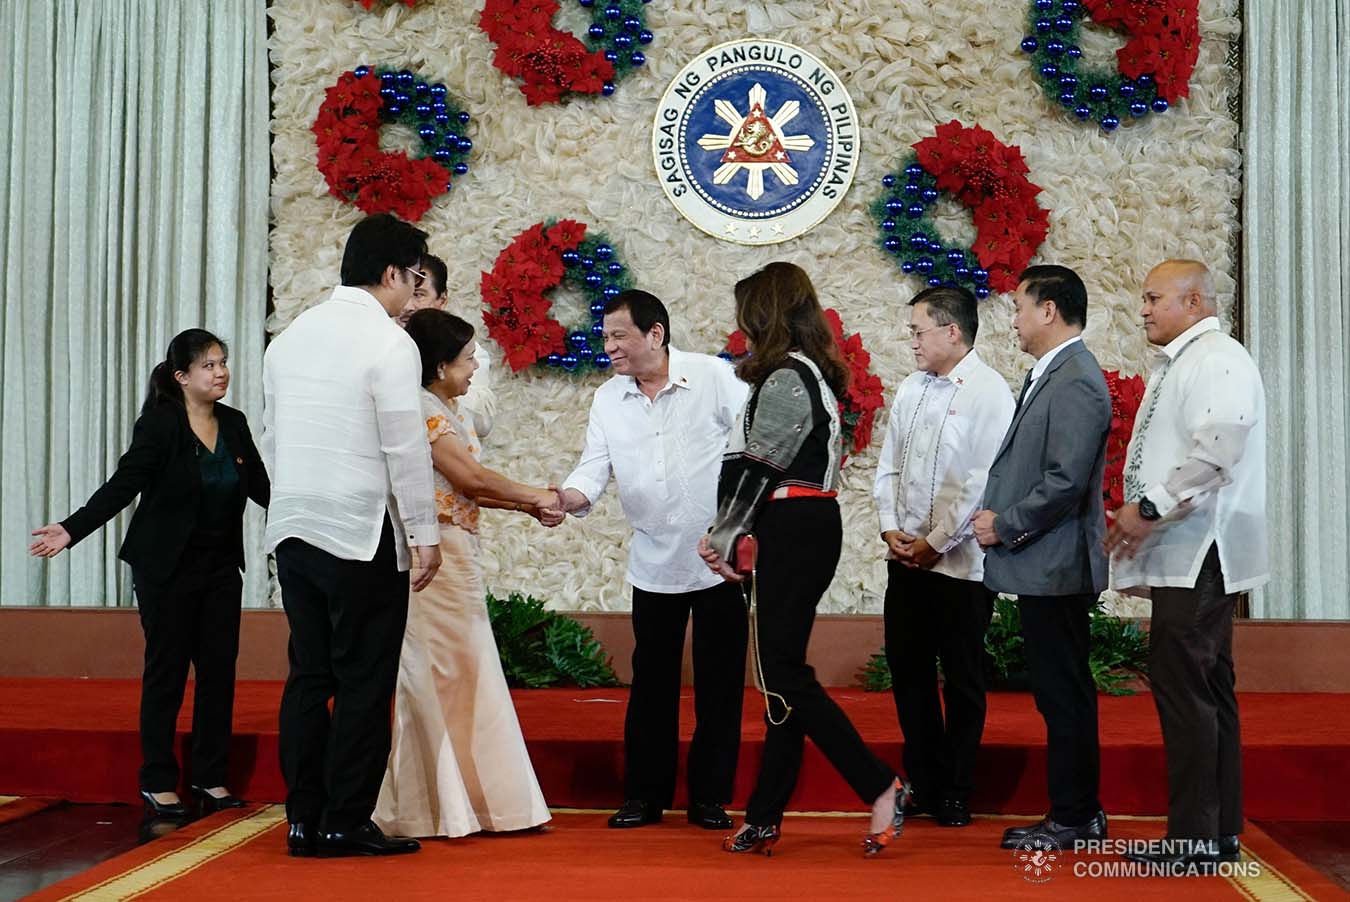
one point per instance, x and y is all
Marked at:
(161, 466)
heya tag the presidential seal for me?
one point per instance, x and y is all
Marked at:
(755, 141)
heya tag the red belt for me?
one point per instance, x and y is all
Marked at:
(799, 491)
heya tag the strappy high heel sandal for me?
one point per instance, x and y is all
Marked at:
(753, 839)
(873, 843)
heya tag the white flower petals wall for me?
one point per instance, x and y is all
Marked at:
(1119, 203)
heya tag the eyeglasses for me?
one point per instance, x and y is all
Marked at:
(915, 333)
(418, 276)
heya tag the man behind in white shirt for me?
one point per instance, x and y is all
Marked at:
(480, 402)
(1192, 534)
(659, 427)
(945, 427)
(344, 442)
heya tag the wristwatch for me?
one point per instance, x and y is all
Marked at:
(1147, 510)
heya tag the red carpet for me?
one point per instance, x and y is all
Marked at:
(240, 856)
(77, 739)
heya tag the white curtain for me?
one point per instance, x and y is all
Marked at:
(1296, 280)
(134, 205)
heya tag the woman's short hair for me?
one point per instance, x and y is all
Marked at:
(439, 337)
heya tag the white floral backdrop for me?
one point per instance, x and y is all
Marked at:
(1119, 203)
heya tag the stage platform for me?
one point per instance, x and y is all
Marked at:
(76, 739)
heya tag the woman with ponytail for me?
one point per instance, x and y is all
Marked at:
(193, 463)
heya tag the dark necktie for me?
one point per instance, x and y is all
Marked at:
(1026, 385)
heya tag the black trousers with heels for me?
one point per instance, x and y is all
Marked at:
(799, 544)
(191, 619)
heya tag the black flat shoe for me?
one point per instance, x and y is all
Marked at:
(1182, 855)
(366, 839)
(209, 804)
(301, 839)
(954, 813)
(709, 816)
(1229, 848)
(1062, 834)
(635, 813)
(160, 809)
(753, 839)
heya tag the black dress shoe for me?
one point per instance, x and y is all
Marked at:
(1229, 848)
(366, 839)
(162, 810)
(209, 804)
(636, 813)
(301, 839)
(1181, 854)
(954, 813)
(1062, 835)
(709, 816)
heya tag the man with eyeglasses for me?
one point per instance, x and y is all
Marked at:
(344, 442)
(946, 423)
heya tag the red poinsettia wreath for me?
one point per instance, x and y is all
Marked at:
(984, 175)
(858, 409)
(553, 63)
(347, 131)
(1126, 394)
(517, 308)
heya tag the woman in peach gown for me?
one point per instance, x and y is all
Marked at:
(458, 763)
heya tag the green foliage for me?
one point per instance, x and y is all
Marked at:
(1119, 651)
(539, 647)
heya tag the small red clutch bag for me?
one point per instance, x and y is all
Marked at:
(747, 548)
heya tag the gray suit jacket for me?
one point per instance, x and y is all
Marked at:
(1045, 485)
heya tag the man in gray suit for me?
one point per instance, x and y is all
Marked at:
(1042, 531)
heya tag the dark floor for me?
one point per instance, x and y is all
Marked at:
(57, 843)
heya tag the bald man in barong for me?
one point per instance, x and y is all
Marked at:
(1192, 535)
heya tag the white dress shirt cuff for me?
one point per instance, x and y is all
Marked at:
(889, 522)
(1162, 499)
(587, 489)
(940, 540)
(424, 535)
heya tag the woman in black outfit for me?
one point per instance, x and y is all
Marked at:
(778, 482)
(194, 464)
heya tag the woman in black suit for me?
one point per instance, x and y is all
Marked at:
(194, 465)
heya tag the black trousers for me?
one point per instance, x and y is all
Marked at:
(932, 617)
(1191, 670)
(651, 727)
(799, 545)
(1056, 633)
(347, 620)
(192, 618)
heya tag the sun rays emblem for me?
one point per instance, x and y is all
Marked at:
(756, 143)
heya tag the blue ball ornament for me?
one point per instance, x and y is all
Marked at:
(907, 266)
(393, 110)
(569, 362)
(888, 225)
(918, 241)
(451, 140)
(895, 205)
(438, 91)
(421, 89)
(1043, 26)
(914, 211)
(935, 247)
(1074, 52)
(631, 23)
(602, 361)
(1068, 82)
(614, 267)
(553, 359)
(586, 2)
(441, 155)
(439, 107)
(1068, 99)
(427, 132)
(1063, 24)
(598, 328)
(1098, 92)
(980, 275)
(892, 244)
(1044, 5)
(464, 145)
(461, 168)
(463, 118)
(645, 37)
(981, 292)
(577, 339)
(1054, 48)
(1109, 123)
(598, 308)
(612, 55)
(570, 258)
(596, 31)
(914, 170)
(423, 110)
(613, 12)
(934, 281)
(587, 263)
(1070, 7)
(1126, 89)
(405, 79)
(361, 71)
(623, 41)
(1159, 105)
(1050, 70)
(585, 353)
(388, 93)
(1138, 109)
(1083, 112)
(1029, 44)
(603, 251)
(924, 265)
(956, 258)
(637, 58)
(913, 188)
(929, 195)
(387, 80)
(610, 291)
(1144, 81)
(607, 89)
(961, 272)
(441, 119)
(594, 279)
(888, 180)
